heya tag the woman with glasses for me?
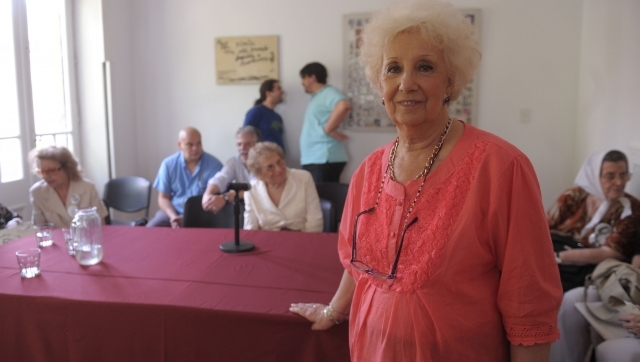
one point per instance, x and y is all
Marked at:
(443, 238)
(280, 198)
(62, 191)
(596, 219)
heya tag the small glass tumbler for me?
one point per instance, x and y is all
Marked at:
(44, 234)
(29, 262)
(67, 233)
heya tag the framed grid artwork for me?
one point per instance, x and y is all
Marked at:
(367, 112)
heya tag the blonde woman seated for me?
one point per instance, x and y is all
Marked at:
(280, 198)
(62, 191)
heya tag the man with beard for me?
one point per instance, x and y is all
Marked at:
(182, 175)
(263, 115)
(234, 170)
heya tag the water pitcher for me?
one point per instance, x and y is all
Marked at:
(87, 236)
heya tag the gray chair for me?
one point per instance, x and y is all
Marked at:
(328, 216)
(130, 194)
(336, 193)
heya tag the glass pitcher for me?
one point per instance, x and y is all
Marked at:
(87, 236)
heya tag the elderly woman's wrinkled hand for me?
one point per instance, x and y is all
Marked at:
(313, 312)
(631, 322)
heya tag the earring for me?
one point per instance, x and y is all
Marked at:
(446, 98)
(383, 101)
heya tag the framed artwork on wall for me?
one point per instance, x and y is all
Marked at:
(367, 112)
(246, 60)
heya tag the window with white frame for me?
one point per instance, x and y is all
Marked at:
(35, 107)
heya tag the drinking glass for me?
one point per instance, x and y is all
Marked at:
(67, 233)
(29, 262)
(44, 234)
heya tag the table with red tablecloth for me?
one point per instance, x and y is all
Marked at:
(163, 294)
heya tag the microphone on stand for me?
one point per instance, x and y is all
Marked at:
(237, 246)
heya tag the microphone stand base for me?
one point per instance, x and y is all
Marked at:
(232, 247)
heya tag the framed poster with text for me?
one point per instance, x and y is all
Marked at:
(246, 60)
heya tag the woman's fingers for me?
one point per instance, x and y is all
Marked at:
(307, 310)
(313, 312)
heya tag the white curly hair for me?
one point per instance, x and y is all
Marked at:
(440, 24)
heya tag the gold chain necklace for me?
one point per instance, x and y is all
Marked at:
(423, 174)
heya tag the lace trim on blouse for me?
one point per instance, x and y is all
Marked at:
(438, 208)
(531, 335)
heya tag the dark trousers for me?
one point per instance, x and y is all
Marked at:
(325, 172)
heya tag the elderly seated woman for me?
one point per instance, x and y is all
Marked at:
(280, 198)
(597, 215)
(62, 191)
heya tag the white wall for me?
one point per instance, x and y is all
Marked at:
(609, 98)
(118, 50)
(89, 47)
(531, 61)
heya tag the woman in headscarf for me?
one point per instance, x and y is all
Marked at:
(596, 214)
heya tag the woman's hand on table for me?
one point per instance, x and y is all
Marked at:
(313, 312)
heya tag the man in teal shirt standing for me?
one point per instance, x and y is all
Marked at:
(322, 150)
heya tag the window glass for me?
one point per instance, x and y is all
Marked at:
(9, 119)
(47, 68)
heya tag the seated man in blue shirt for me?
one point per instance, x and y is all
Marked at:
(234, 170)
(182, 175)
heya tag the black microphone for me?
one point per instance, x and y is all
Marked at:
(239, 186)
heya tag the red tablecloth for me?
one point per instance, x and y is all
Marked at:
(171, 295)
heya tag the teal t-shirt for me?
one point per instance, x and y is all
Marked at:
(317, 147)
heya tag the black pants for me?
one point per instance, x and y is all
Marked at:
(325, 172)
(571, 276)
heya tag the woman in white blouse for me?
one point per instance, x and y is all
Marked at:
(62, 191)
(280, 198)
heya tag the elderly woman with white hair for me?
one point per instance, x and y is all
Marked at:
(444, 239)
(280, 198)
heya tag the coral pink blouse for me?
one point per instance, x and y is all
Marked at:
(476, 271)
